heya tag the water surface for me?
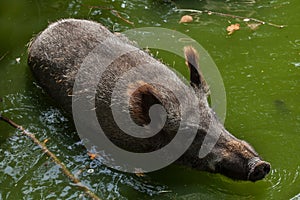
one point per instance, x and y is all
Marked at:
(261, 73)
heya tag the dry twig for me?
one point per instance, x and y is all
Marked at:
(122, 18)
(51, 155)
(246, 19)
(115, 12)
(3, 56)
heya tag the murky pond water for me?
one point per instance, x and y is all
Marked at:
(261, 73)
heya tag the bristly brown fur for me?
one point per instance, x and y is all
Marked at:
(141, 100)
(192, 61)
(56, 55)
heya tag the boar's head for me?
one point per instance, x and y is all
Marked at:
(229, 156)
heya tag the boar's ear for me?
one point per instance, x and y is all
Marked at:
(140, 102)
(196, 77)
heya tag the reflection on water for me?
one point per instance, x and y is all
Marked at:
(32, 174)
(283, 179)
(246, 6)
(260, 70)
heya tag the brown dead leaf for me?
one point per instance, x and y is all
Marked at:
(92, 155)
(139, 172)
(186, 19)
(45, 141)
(232, 28)
(253, 26)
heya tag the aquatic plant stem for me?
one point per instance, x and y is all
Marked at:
(51, 155)
(231, 16)
(3, 56)
(122, 18)
(114, 12)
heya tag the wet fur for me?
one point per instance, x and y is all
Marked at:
(55, 56)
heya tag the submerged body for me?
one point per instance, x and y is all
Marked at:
(56, 55)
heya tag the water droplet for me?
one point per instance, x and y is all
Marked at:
(18, 60)
(90, 171)
(296, 64)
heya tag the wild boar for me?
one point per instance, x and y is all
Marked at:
(56, 55)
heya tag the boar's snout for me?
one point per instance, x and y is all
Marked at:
(258, 169)
(237, 159)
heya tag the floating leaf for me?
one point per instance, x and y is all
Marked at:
(18, 60)
(186, 19)
(253, 26)
(232, 28)
(45, 141)
(139, 172)
(92, 155)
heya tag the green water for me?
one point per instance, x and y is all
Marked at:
(261, 73)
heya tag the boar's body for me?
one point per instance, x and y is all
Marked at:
(56, 55)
